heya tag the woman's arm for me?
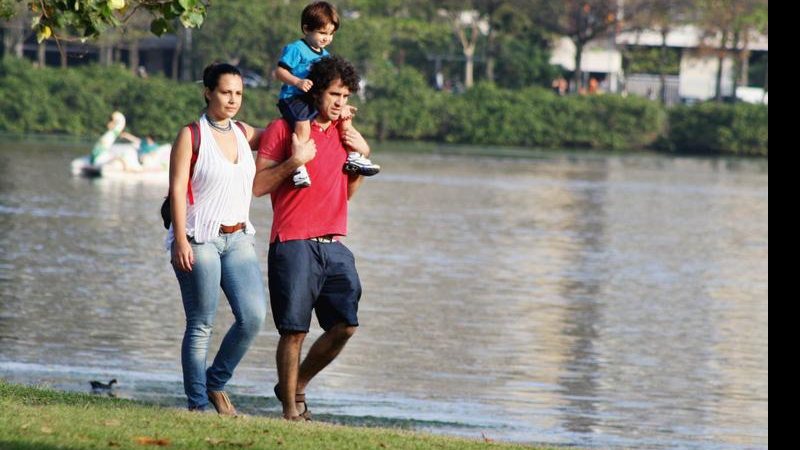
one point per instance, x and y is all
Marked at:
(179, 162)
(253, 136)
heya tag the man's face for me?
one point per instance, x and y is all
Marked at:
(333, 100)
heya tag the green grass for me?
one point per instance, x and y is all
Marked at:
(36, 418)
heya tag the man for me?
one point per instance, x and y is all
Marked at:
(308, 268)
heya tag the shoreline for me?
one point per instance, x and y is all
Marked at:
(34, 417)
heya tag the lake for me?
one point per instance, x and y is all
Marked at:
(580, 299)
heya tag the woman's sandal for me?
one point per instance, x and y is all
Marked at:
(298, 418)
(298, 398)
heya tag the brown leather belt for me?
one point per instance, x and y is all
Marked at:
(228, 229)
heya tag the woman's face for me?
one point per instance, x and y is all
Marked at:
(226, 99)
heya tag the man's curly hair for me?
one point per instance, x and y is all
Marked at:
(329, 69)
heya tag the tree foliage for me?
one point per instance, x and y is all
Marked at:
(249, 33)
(90, 18)
(580, 20)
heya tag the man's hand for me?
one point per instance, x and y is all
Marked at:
(303, 152)
(353, 140)
(304, 85)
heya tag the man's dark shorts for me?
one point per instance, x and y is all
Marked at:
(305, 275)
(297, 109)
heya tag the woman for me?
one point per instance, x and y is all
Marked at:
(211, 238)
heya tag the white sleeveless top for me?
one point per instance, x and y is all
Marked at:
(222, 190)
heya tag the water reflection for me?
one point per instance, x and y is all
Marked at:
(593, 301)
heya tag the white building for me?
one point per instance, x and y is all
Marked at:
(698, 68)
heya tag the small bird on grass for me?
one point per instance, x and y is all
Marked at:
(98, 387)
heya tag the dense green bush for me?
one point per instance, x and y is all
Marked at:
(79, 101)
(399, 105)
(739, 129)
(537, 117)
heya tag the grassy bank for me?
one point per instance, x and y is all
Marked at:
(35, 418)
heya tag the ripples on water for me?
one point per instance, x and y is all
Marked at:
(593, 301)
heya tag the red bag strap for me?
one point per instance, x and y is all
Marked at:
(194, 128)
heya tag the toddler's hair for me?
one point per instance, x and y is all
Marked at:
(318, 15)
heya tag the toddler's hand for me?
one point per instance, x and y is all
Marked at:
(348, 112)
(304, 85)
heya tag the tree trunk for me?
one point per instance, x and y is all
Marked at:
(720, 62)
(744, 80)
(8, 44)
(62, 51)
(15, 32)
(469, 68)
(18, 49)
(133, 56)
(41, 54)
(176, 59)
(744, 61)
(577, 77)
(106, 54)
(491, 55)
(468, 44)
(737, 67)
(20, 41)
(186, 59)
(662, 66)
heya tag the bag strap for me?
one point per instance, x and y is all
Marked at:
(194, 127)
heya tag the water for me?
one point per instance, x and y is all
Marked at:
(594, 301)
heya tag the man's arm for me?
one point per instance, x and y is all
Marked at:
(270, 174)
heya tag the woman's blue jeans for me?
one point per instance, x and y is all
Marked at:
(229, 261)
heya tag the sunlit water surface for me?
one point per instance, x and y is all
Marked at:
(596, 301)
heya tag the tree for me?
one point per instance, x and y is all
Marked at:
(90, 18)
(468, 26)
(249, 33)
(517, 53)
(16, 29)
(729, 25)
(579, 20)
(661, 16)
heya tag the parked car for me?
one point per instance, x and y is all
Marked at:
(253, 79)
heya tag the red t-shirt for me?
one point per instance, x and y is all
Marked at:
(320, 209)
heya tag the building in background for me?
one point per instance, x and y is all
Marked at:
(697, 78)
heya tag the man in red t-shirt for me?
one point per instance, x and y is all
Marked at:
(308, 267)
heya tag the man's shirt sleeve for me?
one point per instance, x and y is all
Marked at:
(275, 143)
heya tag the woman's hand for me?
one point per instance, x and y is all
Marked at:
(182, 255)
